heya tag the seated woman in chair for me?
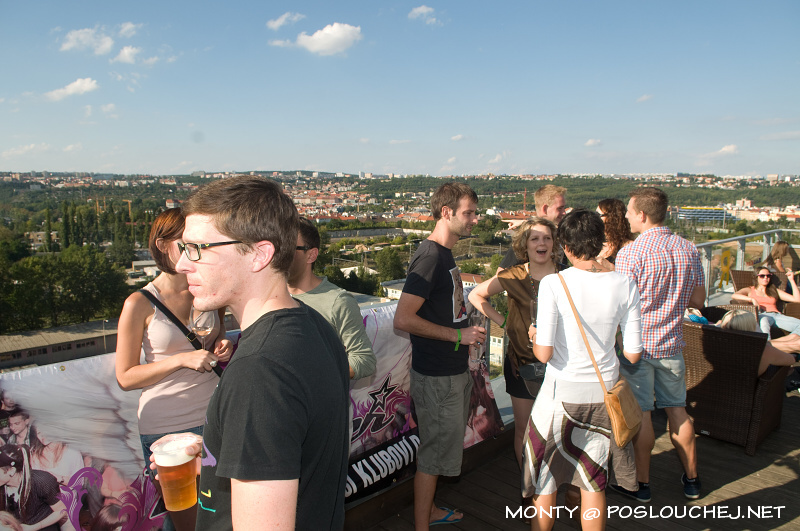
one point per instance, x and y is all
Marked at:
(776, 352)
(764, 295)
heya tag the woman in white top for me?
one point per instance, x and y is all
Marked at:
(569, 437)
(53, 456)
(176, 380)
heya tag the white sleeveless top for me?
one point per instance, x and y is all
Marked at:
(178, 401)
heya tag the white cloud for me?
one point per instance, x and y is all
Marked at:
(425, 13)
(128, 29)
(451, 160)
(127, 55)
(79, 86)
(332, 39)
(72, 147)
(643, 98)
(725, 151)
(150, 60)
(500, 156)
(395, 142)
(23, 150)
(457, 138)
(89, 38)
(281, 44)
(286, 18)
(786, 135)
(87, 111)
(109, 110)
(364, 140)
(592, 142)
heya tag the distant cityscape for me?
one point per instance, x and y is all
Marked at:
(324, 196)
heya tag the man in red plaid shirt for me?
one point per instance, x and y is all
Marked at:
(667, 270)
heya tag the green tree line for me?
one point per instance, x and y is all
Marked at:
(74, 286)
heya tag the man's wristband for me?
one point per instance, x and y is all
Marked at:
(458, 341)
(504, 321)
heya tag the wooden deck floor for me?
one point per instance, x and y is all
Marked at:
(732, 482)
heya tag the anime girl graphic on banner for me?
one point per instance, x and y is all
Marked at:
(74, 439)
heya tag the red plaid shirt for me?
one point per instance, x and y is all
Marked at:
(666, 268)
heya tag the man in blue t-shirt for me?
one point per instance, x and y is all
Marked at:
(433, 311)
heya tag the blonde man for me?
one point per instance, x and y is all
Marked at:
(551, 204)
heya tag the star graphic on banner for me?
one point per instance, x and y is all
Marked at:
(379, 396)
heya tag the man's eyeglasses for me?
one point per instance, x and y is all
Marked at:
(303, 248)
(192, 250)
(764, 276)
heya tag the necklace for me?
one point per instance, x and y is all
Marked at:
(534, 282)
(534, 285)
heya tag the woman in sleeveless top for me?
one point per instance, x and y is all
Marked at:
(533, 242)
(176, 380)
(764, 295)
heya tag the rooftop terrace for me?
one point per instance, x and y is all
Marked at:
(766, 484)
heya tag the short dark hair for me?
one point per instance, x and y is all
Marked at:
(167, 226)
(582, 233)
(308, 233)
(652, 201)
(19, 412)
(448, 195)
(250, 209)
(519, 241)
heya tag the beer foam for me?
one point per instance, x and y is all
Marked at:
(173, 453)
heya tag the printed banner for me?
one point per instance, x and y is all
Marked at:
(385, 436)
(87, 441)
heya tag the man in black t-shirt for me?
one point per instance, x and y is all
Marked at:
(432, 310)
(275, 442)
(550, 204)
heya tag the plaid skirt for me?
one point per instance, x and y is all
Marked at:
(568, 440)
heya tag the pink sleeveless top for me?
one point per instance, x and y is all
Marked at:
(765, 302)
(178, 401)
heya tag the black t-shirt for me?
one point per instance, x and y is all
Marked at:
(434, 276)
(280, 412)
(4, 421)
(44, 494)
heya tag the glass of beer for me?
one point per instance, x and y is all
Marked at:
(177, 471)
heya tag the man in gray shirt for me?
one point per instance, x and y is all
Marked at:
(336, 305)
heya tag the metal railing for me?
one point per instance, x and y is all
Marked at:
(720, 256)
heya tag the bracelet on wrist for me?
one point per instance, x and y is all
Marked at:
(458, 341)
(504, 322)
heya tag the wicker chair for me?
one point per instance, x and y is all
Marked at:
(742, 278)
(724, 394)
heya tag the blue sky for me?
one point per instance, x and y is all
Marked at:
(440, 88)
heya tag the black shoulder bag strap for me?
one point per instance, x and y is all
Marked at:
(191, 336)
